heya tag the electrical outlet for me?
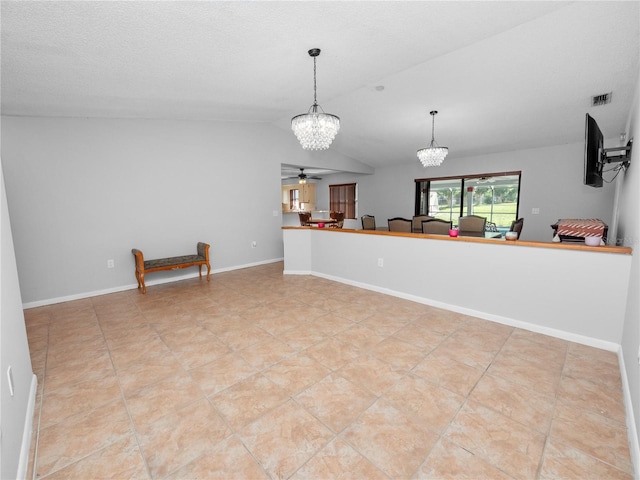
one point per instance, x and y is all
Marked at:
(535, 211)
(381, 262)
(254, 244)
(111, 263)
(275, 213)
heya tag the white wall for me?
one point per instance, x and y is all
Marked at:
(629, 235)
(82, 191)
(16, 410)
(551, 181)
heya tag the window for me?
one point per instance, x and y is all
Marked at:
(294, 199)
(491, 195)
(342, 198)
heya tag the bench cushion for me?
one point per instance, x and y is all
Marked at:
(168, 262)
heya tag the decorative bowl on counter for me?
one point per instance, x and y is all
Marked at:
(511, 235)
(592, 241)
(453, 232)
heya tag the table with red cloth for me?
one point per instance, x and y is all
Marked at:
(327, 221)
(576, 229)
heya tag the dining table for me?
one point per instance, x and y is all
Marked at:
(463, 233)
(326, 221)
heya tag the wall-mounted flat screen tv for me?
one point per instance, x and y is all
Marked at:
(593, 151)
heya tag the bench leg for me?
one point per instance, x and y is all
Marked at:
(141, 281)
(208, 271)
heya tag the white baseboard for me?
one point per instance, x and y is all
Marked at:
(25, 447)
(134, 286)
(297, 272)
(632, 431)
(572, 337)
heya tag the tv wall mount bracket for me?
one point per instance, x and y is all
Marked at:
(623, 154)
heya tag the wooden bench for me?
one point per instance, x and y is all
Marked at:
(171, 263)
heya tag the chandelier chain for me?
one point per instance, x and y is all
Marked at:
(433, 126)
(315, 100)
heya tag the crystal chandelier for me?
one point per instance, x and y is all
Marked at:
(315, 129)
(433, 155)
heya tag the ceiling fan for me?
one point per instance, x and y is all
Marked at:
(303, 177)
(485, 180)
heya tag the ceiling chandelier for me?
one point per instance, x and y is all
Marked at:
(434, 154)
(315, 129)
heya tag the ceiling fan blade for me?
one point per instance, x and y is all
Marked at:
(301, 176)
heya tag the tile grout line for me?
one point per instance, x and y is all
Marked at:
(441, 435)
(575, 447)
(553, 415)
(124, 400)
(41, 405)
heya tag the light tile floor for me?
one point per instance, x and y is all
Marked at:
(259, 375)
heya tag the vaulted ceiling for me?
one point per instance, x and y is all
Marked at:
(503, 75)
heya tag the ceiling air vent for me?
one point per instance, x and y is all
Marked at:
(601, 99)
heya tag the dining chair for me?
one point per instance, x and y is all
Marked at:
(435, 226)
(304, 218)
(417, 222)
(516, 226)
(399, 224)
(338, 217)
(368, 222)
(472, 226)
(491, 227)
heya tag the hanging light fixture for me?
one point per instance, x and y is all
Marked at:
(434, 154)
(315, 129)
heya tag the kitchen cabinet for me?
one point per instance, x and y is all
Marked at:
(304, 193)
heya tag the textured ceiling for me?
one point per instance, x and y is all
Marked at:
(503, 75)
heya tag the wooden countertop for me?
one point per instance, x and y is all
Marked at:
(492, 241)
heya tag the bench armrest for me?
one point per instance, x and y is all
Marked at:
(203, 250)
(139, 259)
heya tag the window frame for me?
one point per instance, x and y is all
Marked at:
(463, 188)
